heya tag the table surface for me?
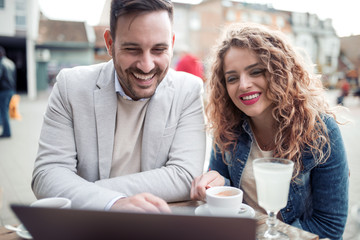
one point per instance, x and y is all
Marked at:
(292, 232)
(189, 208)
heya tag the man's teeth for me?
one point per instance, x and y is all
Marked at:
(143, 77)
(251, 96)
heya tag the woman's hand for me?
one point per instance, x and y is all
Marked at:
(203, 182)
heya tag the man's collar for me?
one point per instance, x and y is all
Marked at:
(120, 90)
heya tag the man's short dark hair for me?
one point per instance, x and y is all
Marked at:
(123, 7)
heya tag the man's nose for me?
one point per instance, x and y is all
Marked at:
(146, 62)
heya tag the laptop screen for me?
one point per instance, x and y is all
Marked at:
(54, 223)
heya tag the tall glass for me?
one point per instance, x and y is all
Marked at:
(272, 177)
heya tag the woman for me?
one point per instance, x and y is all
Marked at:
(264, 102)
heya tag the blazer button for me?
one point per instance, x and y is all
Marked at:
(288, 210)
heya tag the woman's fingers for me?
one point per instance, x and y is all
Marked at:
(203, 182)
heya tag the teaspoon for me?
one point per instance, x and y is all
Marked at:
(16, 229)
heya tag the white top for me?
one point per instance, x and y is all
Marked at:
(247, 183)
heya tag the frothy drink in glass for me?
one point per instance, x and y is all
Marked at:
(272, 184)
(272, 178)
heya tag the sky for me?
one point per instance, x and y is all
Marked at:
(344, 13)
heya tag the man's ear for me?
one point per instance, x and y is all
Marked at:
(108, 41)
(173, 40)
(172, 44)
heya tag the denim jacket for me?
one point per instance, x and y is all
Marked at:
(318, 200)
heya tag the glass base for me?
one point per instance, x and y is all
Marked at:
(266, 235)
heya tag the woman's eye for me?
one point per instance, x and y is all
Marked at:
(257, 72)
(231, 79)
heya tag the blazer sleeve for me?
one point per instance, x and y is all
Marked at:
(55, 169)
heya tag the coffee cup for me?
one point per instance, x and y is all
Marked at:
(224, 200)
(53, 202)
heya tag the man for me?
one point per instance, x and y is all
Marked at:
(7, 90)
(115, 130)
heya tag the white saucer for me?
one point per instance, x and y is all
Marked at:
(355, 212)
(203, 210)
(25, 235)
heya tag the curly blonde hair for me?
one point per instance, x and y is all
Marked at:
(297, 96)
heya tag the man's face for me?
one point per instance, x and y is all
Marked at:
(141, 51)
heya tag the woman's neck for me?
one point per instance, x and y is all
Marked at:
(264, 132)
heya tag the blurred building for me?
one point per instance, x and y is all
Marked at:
(319, 40)
(209, 18)
(62, 44)
(198, 26)
(16, 35)
(316, 39)
(349, 61)
(40, 47)
(100, 51)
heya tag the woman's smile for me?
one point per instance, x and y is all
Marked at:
(250, 98)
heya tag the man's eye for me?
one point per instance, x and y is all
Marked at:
(132, 50)
(159, 50)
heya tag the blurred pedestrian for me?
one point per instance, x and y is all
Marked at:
(345, 89)
(190, 63)
(357, 92)
(7, 90)
(14, 107)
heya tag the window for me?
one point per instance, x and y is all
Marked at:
(20, 6)
(267, 19)
(230, 15)
(195, 21)
(20, 14)
(280, 22)
(20, 21)
(328, 61)
(244, 17)
(2, 3)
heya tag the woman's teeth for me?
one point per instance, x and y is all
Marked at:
(251, 96)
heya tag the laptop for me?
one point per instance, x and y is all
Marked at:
(68, 224)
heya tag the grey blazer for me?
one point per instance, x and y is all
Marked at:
(77, 136)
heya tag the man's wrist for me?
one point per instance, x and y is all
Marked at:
(111, 203)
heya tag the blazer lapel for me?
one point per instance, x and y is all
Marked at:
(105, 112)
(155, 123)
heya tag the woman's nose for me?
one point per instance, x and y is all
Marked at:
(244, 82)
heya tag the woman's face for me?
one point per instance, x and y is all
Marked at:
(246, 82)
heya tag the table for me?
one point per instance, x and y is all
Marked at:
(189, 207)
(292, 232)
(8, 235)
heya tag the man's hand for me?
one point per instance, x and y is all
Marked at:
(143, 202)
(203, 182)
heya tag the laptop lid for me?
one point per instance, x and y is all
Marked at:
(54, 223)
